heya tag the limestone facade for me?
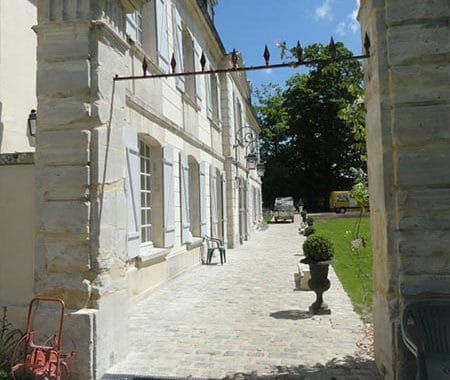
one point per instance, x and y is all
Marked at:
(17, 74)
(408, 139)
(129, 175)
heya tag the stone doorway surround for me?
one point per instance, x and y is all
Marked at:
(408, 141)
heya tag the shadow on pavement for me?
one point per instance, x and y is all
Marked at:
(347, 368)
(350, 367)
(291, 314)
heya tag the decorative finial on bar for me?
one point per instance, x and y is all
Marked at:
(367, 44)
(299, 52)
(234, 58)
(203, 61)
(332, 48)
(173, 63)
(266, 55)
(144, 67)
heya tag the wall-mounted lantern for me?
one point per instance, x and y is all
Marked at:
(32, 123)
(247, 137)
(260, 169)
(252, 160)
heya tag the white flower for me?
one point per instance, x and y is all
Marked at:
(357, 243)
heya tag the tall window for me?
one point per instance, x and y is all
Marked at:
(188, 63)
(146, 193)
(134, 26)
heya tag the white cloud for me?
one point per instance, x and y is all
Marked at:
(324, 11)
(341, 28)
(352, 24)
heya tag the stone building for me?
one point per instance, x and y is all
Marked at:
(114, 193)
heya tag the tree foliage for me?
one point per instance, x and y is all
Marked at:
(313, 130)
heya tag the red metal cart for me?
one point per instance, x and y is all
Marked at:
(41, 361)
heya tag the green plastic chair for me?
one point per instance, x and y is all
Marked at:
(212, 245)
(426, 333)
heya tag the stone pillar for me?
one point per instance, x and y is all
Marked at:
(80, 164)
(408, 137)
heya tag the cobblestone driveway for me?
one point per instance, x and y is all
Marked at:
(245, 319)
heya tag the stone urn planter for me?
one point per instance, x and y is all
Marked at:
(319, 253)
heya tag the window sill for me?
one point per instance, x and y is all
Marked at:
(188, 99)
(216, 124)
(153, 67)
(195, 243)
(151, 256)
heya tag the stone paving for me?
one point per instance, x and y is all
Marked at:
(246, 320)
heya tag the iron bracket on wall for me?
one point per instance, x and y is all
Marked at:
(235, 68)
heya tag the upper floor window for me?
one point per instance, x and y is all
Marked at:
(189, 63)
(134, 27)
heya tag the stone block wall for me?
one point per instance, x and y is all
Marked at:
(408, 137)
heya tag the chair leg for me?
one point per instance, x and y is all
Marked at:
(209, 256)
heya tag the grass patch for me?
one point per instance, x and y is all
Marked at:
(267, 218)
(354, 268)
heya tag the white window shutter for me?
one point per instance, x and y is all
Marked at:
(219, 98)
(130, 28)
(186, 235)
(178, 45)
(203, 221)
(198, 78)
(213, 200)
(208, 95)
(132, 191)
(163, 46)
(168, 196)
(224, 208)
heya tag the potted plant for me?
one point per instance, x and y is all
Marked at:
(309, 231)
(318, 253)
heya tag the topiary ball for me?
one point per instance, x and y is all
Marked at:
(309, 231)
(318, 248)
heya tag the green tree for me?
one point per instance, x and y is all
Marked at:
(311, 130)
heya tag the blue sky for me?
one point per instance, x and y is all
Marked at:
(247, 25)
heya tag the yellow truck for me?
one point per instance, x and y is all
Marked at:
(340, 201)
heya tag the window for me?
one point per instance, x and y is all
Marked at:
(215, 94)
(188, 63)
(134, 27)
(146, 193)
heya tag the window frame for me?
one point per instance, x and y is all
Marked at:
(134, 23)
(145, 191)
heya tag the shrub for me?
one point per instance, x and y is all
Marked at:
(9, 338)
(310, 221)
(318, 248)
(309, 231)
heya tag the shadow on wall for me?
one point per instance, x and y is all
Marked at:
(1, 126)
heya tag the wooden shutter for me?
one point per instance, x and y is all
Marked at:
(132, 191)
(208, 95)
(198, 78)
(163, 46)
(219, 98)
(241, 209)
(224, 208)
(186, 235)
(168, 197)
(178, 45)
(202, 183)
(213, 200)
